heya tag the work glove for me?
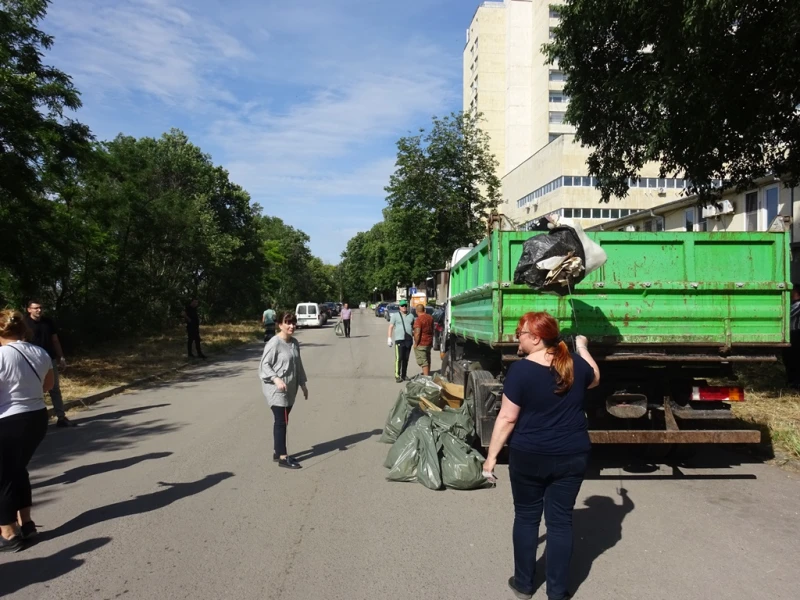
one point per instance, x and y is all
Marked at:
(389, 342)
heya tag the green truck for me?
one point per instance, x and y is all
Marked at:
(667, 312)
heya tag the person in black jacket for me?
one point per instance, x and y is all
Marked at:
(192, 318)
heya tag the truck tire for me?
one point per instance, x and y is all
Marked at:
(476, 392)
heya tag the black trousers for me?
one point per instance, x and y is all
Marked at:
(281, 414)
(401, 354)
(20, 436)
(193, 334)
(346, 327)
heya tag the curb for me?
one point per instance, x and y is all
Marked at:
(118, 389)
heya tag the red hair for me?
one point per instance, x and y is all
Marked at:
(544, 326)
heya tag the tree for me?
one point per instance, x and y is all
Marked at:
(443, 187)
(38, 144)
(696, 85)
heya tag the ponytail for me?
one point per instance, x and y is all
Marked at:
(563, 367)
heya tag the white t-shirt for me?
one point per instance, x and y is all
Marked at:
(20, 389)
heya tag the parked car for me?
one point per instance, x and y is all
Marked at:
(362, 305)
(380, 308)
(390, 308)
(330, 308)
(309, 314)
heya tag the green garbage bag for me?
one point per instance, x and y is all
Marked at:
(462, 466)
(422, 386)
(408, 437)
(457, 421)
(396, 419)
(407, 457)
(429, 473)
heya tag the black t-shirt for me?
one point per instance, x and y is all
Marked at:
(548, 423)
(43, 331)
(194, 318)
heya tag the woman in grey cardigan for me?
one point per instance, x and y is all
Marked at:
(282, 373)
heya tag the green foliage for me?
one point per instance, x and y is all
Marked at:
(116, 236)
(444, 184)
(708, 88)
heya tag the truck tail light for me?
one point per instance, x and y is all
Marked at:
(717, 394)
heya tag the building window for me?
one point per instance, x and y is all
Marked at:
(771, 204)
(690, 219)
(556, 75)
(606, 213)
(556, 118)
(670, 183)
(553, 137)
(751, 211)
(556, 96)
(568, 212)
(554, 14)
(552, 34)
(597, 213)
(702, 224)
(615, 213)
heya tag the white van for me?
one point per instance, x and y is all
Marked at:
(308, 315)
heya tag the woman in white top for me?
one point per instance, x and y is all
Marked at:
(26, 373)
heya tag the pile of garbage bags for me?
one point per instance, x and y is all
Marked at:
(431, 442)
(560, 259)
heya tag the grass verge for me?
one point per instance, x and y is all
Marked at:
(123, 361)
(771, 406)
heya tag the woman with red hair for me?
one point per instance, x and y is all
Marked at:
(543, 413)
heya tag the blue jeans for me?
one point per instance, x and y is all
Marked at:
(549, 483)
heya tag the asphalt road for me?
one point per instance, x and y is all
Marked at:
(170, 492)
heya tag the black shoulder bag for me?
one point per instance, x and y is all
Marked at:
(408, 341)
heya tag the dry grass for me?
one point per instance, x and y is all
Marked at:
(771, 405)
(121, 362)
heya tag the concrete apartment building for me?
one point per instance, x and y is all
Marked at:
(523, 104)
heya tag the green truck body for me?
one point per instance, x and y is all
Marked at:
(664, 305)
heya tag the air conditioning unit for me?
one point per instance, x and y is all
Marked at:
(725, 207)
(662, 191)
(710, 211)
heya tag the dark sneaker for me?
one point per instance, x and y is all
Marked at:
(517, 592)
(289, 463)
(15, 544)
(28, 530)
(64, 422)
(398, 380)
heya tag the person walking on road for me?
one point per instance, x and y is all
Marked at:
(282, 374)
(192, 319)
(268, 321)
(542, 411)
(44, 333)
(423, 339)
(26, 372)
(346, 315)
(400, 327)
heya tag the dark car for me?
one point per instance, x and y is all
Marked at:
(380, 308)
(330, 308)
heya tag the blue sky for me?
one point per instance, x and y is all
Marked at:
(302, 101)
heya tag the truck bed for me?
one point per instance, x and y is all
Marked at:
(658, 292)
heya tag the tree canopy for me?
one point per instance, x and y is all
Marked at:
(115, 236)
(443, 187)
(707, 88)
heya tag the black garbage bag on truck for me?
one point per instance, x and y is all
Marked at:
(561, 241)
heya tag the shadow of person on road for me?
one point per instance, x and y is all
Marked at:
(138, 505)
(78, 473)
(596, 528)
(15, 576)
(117, 414)
(339, 444)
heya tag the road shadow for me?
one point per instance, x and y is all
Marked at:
(340, 444)
(596, 527)
(106, 432)
(17, 575)
(82, 472)
(312, 345)
(357, 337)
(145, 503)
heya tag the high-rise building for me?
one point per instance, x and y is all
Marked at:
(485, 74)
(522, 100)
